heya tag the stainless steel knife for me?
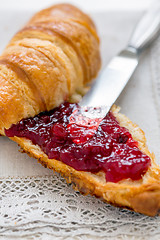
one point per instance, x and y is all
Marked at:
(107, 88)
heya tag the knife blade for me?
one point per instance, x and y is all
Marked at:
(107, 88)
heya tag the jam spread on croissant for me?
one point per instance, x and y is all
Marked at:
(85, 145)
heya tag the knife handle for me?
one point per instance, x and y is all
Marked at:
(147, 29)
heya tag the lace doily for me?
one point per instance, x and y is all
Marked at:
(34, 208)
(46, 205)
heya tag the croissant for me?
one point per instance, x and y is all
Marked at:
(47, 64)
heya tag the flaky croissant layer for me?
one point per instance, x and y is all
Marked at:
(47, 62)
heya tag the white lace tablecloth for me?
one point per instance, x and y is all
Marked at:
(34, 203)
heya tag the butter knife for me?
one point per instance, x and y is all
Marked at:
(107, 88)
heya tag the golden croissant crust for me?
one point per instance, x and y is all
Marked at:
(47, 62)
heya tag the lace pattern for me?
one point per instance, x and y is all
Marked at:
(46, 205)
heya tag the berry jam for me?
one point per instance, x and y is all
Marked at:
(85, 146)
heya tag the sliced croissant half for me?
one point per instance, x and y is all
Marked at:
(51, 61)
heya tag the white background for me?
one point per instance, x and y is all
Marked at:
(91, 5)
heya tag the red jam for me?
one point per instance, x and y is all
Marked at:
(93, 147)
